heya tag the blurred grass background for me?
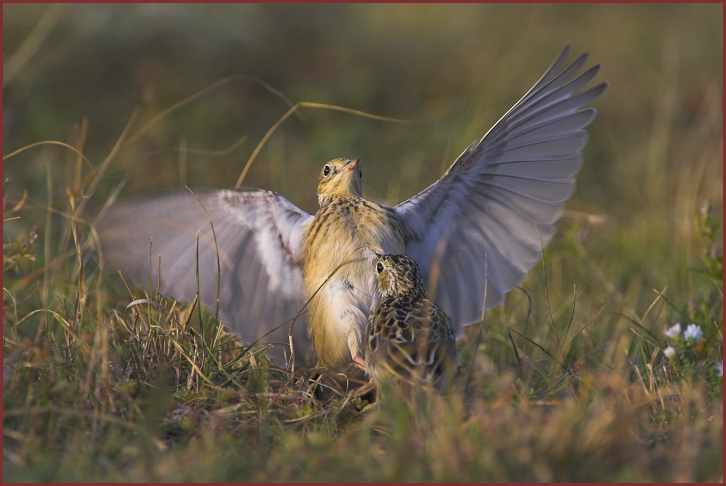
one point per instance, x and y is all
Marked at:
(79, 73)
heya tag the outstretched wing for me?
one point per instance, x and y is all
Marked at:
(259, 237)
(482, 221)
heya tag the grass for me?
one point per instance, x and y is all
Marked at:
(570, 381)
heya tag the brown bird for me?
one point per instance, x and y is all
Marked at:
(345, 228)
(410, 338)
(481, 225)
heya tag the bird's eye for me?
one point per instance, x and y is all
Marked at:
(326, 170)
(379, 268)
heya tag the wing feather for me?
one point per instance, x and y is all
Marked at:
(495, 207)
(259, 239)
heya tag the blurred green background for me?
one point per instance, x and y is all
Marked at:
(655, 149)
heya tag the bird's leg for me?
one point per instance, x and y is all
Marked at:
(351, 321)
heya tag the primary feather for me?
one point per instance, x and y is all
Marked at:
(259, 244)
(494, 208)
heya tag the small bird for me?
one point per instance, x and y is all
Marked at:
(410, 338)
(344, 229)
(474, 233)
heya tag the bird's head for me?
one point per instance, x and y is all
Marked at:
(398, 275)
(339, 177)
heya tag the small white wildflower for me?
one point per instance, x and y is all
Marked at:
(673, 332)
(669, 352)
(719, 367)
(693, 332)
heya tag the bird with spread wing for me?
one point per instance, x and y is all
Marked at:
(480, 227)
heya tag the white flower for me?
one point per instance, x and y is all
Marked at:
(693, 332)
(673, 332)
(719, 367)
(669, 352)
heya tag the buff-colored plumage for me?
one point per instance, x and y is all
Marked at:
(344, 229)
(482, 225)
(411, 340)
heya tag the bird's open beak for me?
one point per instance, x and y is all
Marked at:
(352, 165)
